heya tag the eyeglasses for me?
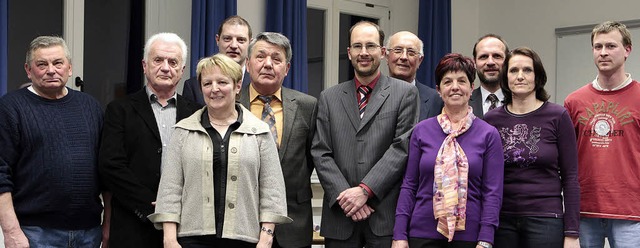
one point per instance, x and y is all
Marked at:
(371, 47)
(410, 52)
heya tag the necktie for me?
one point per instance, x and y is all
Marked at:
(269, 117)
(494, 101)
(363, 91)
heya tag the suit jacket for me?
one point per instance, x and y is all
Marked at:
(476, 103)
(430, 102)
(129, 164)
(348, 150)
(299, 114)
(192, 91)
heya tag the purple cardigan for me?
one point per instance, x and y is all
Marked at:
(414, 213)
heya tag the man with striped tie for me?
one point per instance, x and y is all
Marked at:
(291, 116)
(359, 149)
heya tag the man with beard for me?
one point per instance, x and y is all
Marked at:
(489, 54)
(359, 148)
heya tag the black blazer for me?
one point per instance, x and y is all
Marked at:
(299, 114)
(129, 164)
(430, 102)
(476, 103)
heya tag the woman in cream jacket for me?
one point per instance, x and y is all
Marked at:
(221, 182)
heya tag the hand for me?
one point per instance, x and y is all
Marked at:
(351, 200)
(362, 214)
(171, 243)
(15, 239)
(400, 244)
(571, 242)
(105, 236)
(266, 241)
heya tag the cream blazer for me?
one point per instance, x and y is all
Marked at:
(255, 186)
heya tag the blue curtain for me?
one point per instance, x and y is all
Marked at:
(434, 29)
(289, 17)
(206, 16)
(4, 45)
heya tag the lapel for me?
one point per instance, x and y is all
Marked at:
(476, 103)
(244, 97)
(424, 97)
(350, 102)
(377, 98)
(289, 109)
(141, 105)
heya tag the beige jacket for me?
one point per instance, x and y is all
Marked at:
(255, 186)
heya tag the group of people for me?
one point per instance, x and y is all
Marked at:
(228, 163)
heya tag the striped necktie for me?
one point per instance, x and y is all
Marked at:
(269, 117)
(364, 91)
(494, 101)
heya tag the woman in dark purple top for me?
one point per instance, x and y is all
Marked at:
(540, 160)
(452, 188)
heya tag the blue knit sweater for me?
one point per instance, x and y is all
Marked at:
(48, 158)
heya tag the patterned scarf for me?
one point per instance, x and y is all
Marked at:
(451, 178)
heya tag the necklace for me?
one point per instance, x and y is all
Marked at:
(216, 124)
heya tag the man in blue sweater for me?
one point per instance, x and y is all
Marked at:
(49, 187)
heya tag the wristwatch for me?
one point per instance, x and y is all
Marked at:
(485, 244)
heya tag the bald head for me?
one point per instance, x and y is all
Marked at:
(404, 55)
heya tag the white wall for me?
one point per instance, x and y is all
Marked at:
(170, 16)
(532, 23)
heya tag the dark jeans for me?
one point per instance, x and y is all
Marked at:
(362, 236)
(208, 241)
(440, 243)
(529, 232)
(40, 237)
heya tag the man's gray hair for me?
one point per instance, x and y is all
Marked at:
(46, 42)
(169, 38)
(275, 39)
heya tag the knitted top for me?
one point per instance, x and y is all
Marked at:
(48, 159)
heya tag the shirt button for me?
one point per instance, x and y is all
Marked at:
(234, 150)
(231, 206)
(253, 129)
(233, 178)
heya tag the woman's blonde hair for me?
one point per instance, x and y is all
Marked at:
(227, 66)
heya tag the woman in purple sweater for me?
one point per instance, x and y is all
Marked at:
(540, 160)
(452, 189)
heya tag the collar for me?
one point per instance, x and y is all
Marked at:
(626, 82)
(485, 94)
(413, 82)
(153, 98)
(204, 118)
(371, 84)
(253, 93)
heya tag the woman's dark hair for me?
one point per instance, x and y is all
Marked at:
(538, 71)
(455, 62)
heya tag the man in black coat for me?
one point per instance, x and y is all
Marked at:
(136, 131)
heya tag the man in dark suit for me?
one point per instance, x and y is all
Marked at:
(135, 133)
(359, 148)
(295, 119)
(234, 35)
(489, 53)
(404, 56)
